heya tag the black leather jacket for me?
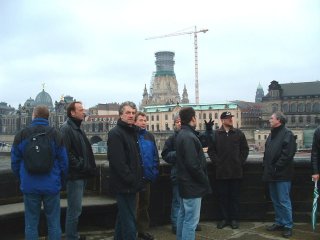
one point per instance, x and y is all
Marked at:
(193, 181)
(124, 159)
(82, 164)
(278, 156)
(315, 152)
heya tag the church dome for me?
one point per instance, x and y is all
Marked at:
(43, 98)
(29, 103)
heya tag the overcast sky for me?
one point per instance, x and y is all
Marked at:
(95, 50)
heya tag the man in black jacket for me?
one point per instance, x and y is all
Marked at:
(315, 155)
(228, 150)
(193, 182)
(125, 170)
(280, 149)
(82, 166)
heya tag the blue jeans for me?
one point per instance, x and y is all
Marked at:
(175, 205)
(75, 189)
(32, 206)
(188, 218)
(125, 228)
(280, 196)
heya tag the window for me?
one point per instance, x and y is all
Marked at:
(300, 107)
(293, 119)
(300, 119)
(265, 137)
(158, 129)
(316, 107)
(166, 117)
(274, 107)
(210, 115)
(204, 116)
(152, 127)
(308, 107)
(199, 115)
(259, 137)
(293, 107)
(216, 116)
(285, 107)
(152, 118)
(157, 117)
(308, 119)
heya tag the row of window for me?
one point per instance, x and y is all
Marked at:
(297, 107)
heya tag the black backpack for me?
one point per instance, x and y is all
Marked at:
(38, 158)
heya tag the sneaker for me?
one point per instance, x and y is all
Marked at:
(275, 227)
(234, 224)
(198, 228)
(222, 224)
(145, 236)
(287, 232)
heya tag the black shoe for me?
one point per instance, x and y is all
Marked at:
(82, 237)
(174, 230)
(287, 232)
(275, 227)
(145, 236)
(234, 224)
(222, 224)
(198, 228)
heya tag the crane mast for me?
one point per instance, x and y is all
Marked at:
(195, 32)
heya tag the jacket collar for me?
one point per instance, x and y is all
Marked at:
(40, 121)
(189, 128)
(72, 123)
(126, 126)
(221, 129)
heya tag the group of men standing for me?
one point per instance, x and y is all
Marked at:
(133, 160)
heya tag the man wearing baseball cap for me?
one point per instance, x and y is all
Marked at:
(228, 151)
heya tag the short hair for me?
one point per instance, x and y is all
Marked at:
(186, 115)
(127, 103)
(139, 114)
(72, 107)
(280, 116)
(41, 111)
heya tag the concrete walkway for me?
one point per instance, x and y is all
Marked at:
(247, 231)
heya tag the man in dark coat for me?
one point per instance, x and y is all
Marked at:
(125, 170)
(280, 149)
(82, 165)
(228, 150)
(193, 182)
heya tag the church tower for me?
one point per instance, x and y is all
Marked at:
(164, 85)
(259, 94)
(185, 98)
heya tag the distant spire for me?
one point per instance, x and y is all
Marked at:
(43, 84)
(145, 91)
(185, 98)
(259, 86)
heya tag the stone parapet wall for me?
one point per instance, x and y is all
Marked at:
(255, 202)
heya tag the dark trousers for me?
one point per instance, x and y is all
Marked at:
(143, 202)
(228, 194)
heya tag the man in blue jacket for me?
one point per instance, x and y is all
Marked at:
(150, 163)
(40, 188)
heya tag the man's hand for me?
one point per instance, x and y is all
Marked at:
(209, 124)
(315, 177)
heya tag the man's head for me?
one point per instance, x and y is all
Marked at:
(75, 110)
(277, 119)
(40, 111)
(177, 122)
(226, 119)
(188, 116)
(141, 120)
(127, 112)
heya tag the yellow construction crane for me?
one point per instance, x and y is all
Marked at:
(195, 32)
